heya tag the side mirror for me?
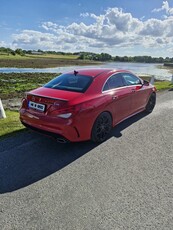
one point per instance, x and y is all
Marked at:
(145, 83)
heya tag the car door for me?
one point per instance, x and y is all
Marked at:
(138, 92)
(118, 97)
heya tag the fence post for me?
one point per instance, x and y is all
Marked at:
(2, 112)
(152, 80)
(172, 79)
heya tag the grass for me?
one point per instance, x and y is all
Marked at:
(42, 61)
(15, 85)
(5, 56)
(34, 56)
(11, 124)
(162, 85)
(54, 56)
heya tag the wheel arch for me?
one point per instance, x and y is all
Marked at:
(105, 111)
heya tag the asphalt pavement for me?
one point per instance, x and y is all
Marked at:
(123, 183)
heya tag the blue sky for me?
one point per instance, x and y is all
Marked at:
(118, 27)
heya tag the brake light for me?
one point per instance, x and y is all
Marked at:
(24, 103)
(66, 112)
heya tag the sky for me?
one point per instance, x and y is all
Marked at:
(117, 27)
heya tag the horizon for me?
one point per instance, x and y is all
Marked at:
(120, 28)
(78, 52)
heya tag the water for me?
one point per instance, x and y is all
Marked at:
(137, 68)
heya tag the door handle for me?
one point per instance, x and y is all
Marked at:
(114, 97)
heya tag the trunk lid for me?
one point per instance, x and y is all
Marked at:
(46, 99)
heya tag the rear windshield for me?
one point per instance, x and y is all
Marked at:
(70, 82)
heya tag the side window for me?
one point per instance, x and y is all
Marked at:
(131, 79)
(106, 87)
(113, 82)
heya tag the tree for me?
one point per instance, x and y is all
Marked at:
(13, 53)
(19, 52)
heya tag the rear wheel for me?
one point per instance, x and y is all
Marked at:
(151, 103)
(102, 127)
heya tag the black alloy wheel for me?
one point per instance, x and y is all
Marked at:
(101, 127)
(151, 103)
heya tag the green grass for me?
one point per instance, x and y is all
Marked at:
(34, 56)
(12, 57)
(159, 84)
(11, 124)
(15, 85)
(162, 85)
(42, 61)
(56, 56)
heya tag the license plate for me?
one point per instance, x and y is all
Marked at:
(37, 106)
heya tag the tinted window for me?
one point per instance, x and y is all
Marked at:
(113, 82)
(130, 79)
(70, 82)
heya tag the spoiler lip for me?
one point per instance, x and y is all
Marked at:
(55, 98)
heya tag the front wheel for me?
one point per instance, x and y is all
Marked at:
(102, 127)
(151, 103)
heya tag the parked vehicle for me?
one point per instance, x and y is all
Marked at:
(86, 104)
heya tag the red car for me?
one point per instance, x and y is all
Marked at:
(86, 104)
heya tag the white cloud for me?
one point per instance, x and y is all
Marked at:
(153, 27)
(9, 45)
(32, 37)
(3, 44)
(47, 25)
(122, 21)
(84, 15)
(108, 32)
(165, 7)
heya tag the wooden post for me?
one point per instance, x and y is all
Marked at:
(172, 79)
(2, 112)
(152, 80)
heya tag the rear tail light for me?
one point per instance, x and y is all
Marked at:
(71, 110)
(24, 103)
(66, 112)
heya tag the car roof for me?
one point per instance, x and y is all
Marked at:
(94, 72)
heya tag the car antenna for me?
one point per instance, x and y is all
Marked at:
(75, 72)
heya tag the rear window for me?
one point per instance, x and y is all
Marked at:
(70, 82)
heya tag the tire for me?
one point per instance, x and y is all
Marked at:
(151, 103)
(102, 127)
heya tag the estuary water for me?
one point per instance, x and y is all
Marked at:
(137, 68)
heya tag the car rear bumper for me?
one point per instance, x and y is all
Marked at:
(51, 126)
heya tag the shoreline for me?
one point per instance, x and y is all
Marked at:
(140, 69)
(41, 63)
(169, 68)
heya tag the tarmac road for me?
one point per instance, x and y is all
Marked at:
(123, 183)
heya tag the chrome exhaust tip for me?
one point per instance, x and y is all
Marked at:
(61, 140)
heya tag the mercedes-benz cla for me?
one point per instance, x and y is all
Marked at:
(86, 104)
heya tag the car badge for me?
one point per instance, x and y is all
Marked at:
(57, 104)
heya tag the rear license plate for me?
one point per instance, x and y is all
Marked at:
(37, 106)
